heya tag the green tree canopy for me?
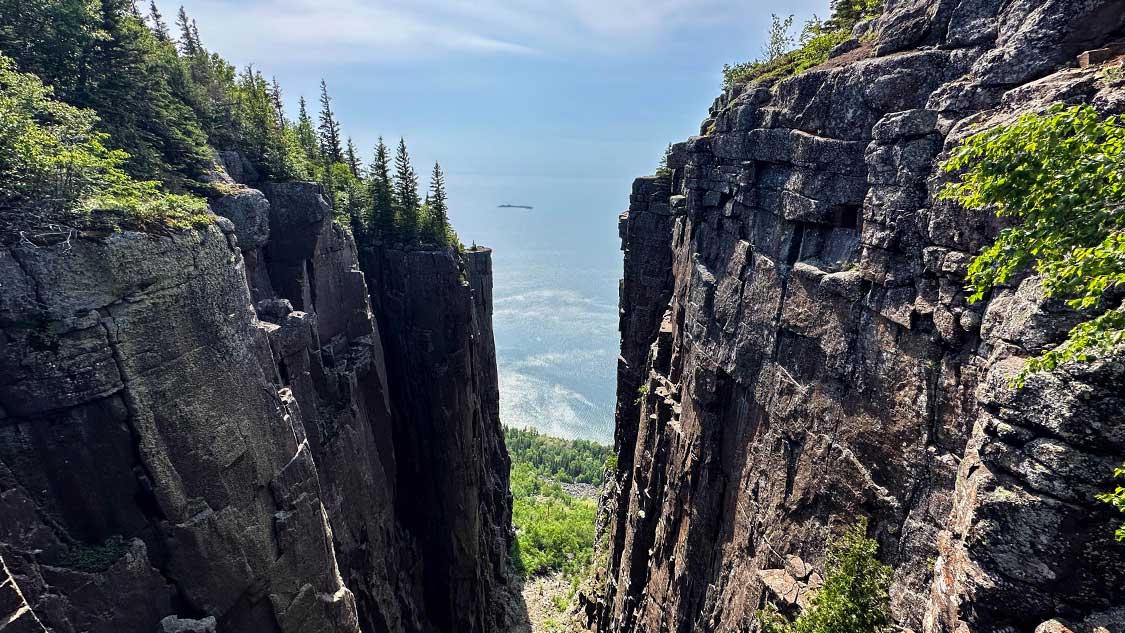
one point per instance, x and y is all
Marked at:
(56, 174)
(439, 206)
(406, 193)
(382, 195)
(855, 596)
(330, 148)
(1060, 178)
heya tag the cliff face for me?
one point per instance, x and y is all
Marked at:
(797, 349)
(215, 424)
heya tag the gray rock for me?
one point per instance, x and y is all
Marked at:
(249, 210)
(238, 168)
(250, 456)
(174, 624)
(810, 356)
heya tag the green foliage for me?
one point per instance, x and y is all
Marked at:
(165, 104)
(262, 133)
(407, 204)
(92, 559)
(779, 40)
(1061, 177)
(848, 13)
(382, 215)
(554, 531)
(854, 598)
(817, 39)
(56, 173)
(663, 169)
(439, 207)
(570, 461)
(330, 146)
(1117, 500)
(100, 55)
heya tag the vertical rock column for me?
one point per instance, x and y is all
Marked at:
(434, 309)
(148, 465)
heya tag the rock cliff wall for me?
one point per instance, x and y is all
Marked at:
(797, 349)
(214, 431)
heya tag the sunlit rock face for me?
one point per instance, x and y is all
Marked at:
(797, 349)
(206, 431)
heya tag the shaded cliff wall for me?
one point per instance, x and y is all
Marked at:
(452, 463)
(797, 348)
(207, 425)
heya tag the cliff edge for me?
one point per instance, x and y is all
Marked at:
(214, 431)
(797, 349)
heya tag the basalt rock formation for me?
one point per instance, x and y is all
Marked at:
(798, 350)
(214, 431)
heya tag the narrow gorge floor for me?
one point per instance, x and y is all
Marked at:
(555, 490)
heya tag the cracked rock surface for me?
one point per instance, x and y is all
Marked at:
(797, 348)
(173, 460)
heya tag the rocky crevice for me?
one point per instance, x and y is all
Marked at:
(206, 430)
(797, 348)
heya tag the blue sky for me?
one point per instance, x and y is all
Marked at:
(557, 104)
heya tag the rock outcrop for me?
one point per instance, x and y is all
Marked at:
(797, 348)
(213, 431)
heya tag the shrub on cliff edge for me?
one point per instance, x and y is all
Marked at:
(855, 597)
(1061, 177)
(816, 41)
(57, 175)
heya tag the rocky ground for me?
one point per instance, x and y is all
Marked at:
(550, 608)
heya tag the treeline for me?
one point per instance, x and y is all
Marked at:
(568, 461)
(784, 56)
(165, 100)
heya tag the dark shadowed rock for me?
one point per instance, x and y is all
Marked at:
(173, 460)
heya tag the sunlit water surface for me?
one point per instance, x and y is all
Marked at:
(555, 277)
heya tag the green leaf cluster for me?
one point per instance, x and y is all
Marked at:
(56, 174)
(92, 559)
(1117, 500)
(855, 596)
(554, 531)
(817, 39)
(1060, 177)
(572, 461)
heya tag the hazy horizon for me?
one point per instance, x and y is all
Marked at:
(490, 91)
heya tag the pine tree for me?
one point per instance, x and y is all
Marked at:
(330, 147)
(382, 194)
(306, 133)
(847, 13)
(439, 207)
(353, 159)
(127, 84)
(158, 25)
(188, 44)
(262, 126)
(406, 192)
(275, 96)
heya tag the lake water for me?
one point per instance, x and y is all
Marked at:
(555, 274)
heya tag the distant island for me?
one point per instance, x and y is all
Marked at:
(515, 206)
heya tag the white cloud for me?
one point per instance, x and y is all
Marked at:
(270, 31)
